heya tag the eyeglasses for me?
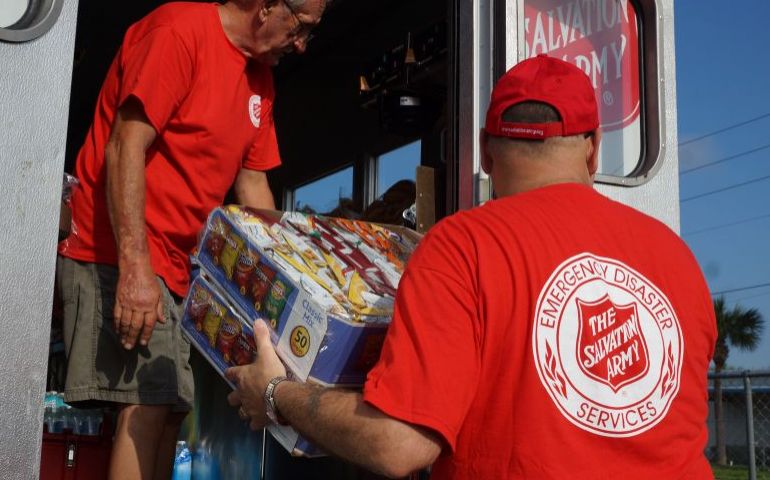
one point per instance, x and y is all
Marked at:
(303, 29)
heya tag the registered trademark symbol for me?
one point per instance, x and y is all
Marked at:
(608, 98)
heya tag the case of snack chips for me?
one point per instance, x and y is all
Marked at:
(221, 335)
(215, 328)
(326, 286)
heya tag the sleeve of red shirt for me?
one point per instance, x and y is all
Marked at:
(428, 369)
(264, 153)
(157, 69)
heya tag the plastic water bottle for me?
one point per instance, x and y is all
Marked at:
(58, 415)
(205, 465)
(59, 419)
(87, 422)
(94, 422)
(49, 405)
(182, 462)
(74, 420)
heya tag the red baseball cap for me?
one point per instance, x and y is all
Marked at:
(548, 80)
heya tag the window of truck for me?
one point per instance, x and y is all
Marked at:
(324, 195)
(395, 165)
(603, 38)
(25, 20)
(11, 11)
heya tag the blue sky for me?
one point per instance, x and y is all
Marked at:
(722, 81)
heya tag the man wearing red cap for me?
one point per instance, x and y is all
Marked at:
(550, 333)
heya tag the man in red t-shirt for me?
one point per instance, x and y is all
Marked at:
(185, 113)
(550, 333)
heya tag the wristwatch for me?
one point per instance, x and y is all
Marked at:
(270, 408)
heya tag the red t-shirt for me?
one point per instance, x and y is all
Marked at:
(212, 110)
(552, 334)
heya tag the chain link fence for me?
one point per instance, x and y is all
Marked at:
(739, 445)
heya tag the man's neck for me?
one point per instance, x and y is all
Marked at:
(523, 185)
(236, 21)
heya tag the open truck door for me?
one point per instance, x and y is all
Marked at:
(36, 45)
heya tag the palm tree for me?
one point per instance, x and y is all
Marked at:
(739, 328)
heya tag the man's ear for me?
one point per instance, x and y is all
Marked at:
(264, 10)
(592, 155)
(486, 158)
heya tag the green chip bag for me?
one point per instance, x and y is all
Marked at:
(276, 301)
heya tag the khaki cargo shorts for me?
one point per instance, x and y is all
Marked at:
(99, 369)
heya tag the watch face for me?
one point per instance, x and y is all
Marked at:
(269, 402)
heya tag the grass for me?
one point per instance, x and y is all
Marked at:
(730, 473)
(738, 472)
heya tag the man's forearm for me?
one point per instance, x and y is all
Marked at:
(253, 190)
(131, 136)
(340, 422)
(336, 420)
(126, 201)
(138, 299)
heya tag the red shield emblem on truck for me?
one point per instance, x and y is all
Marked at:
(610, 346)
(602, 39)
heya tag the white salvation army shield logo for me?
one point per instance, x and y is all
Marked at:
(607, 345)
(255, 109)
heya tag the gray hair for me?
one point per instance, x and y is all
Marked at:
(531, 112)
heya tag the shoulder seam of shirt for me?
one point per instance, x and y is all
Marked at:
(172, 28)
(435, 270)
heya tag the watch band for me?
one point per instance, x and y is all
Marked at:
(270, 408)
